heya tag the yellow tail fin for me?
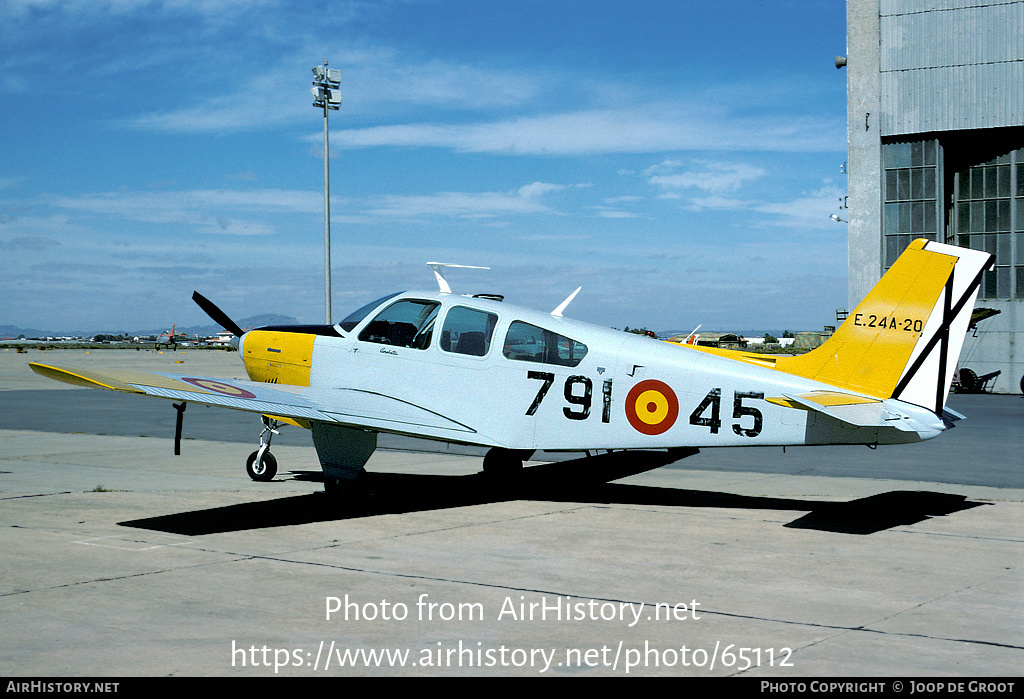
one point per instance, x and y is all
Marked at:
(904, 339)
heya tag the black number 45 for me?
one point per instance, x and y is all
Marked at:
(708, 413)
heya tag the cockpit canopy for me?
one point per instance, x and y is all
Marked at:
(465, 330)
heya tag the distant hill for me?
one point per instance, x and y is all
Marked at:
(257, 321)
(15, 331)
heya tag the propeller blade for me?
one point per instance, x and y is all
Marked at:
(218, 316)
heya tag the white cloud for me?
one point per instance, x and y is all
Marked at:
(375, 81)
(538, 188)
(720, 203)
(465, 204)
(97, 10)
(643, 129)
(164, 206)
(225, 212)
(664, 166)
(714, 178)
(810, 211)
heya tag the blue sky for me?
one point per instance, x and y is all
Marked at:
(679, 160)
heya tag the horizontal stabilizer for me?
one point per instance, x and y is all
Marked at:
(858, 411)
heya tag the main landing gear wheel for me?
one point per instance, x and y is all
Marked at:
(505, 463)
(346, 487)
(261, 468)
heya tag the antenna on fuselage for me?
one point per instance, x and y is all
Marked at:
(441, 281)
(557, 313)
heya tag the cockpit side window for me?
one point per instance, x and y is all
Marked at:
(528, 343)
(468, 331)
(406, 323)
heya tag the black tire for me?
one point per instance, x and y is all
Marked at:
(504, 463)
(343, 488)
(339, 487)
(1022, 384)
(968, 381)
(265, 470)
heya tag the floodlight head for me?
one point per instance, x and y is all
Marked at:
(334, 76)
(318, 71)
(333, 97)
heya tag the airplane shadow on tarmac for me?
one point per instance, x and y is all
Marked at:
(586, 480)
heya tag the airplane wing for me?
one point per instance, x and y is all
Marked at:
(348, 407)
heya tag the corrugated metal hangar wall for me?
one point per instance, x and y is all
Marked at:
(936, 150)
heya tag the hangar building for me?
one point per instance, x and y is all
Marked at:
(935, 94)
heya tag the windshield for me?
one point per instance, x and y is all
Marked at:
(353, 319)
(406, 323)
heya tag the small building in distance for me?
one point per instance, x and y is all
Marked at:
(722, 340)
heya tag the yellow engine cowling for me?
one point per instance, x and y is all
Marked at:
(278, 357)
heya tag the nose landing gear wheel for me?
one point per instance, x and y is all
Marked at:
(261, 468)
(261, 464)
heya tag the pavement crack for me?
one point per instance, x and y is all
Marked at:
(115, 578)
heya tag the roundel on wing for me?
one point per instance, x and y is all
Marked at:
(652, 407)
(219, 387)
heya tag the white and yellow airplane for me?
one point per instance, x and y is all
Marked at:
(474, 370)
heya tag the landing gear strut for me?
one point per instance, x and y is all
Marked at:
(261, 464)
(180, 407)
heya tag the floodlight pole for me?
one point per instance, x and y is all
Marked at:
(327, 221)
(325, 95)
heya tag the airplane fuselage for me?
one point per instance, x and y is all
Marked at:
(481, 371)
